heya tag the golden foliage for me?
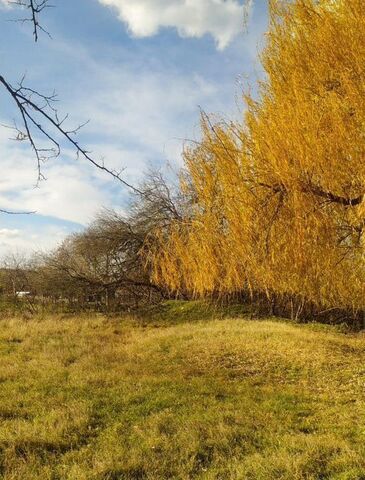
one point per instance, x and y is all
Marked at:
(277, 202)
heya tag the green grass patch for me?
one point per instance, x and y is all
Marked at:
(173, 312)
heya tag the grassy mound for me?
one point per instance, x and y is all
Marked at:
(180, 398)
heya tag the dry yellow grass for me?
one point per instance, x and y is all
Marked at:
(96, 398)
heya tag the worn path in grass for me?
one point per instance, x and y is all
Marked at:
(95, 398)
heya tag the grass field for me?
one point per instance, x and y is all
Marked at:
(175, 397)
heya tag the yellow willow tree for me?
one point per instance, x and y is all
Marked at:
(277, 202)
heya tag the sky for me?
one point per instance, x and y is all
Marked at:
(138, 71)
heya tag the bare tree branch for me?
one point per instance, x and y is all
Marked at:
(40, 117)
(35, 8)
(10, 212)
(41, 125)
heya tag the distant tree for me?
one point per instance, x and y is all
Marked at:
(15, 274)
(107, 261)
(103, 259)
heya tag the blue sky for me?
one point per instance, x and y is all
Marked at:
(138, 70)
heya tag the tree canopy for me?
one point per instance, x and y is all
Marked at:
(278, 199)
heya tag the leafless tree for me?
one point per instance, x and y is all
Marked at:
(105, 261)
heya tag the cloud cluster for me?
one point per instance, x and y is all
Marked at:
(148, 114)
(223, 19)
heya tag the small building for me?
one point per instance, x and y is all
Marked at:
(22, 294)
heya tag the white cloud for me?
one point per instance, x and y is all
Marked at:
(71, 191)
(223, 19)
(154, 112)
(8, 233)
(28, 240)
